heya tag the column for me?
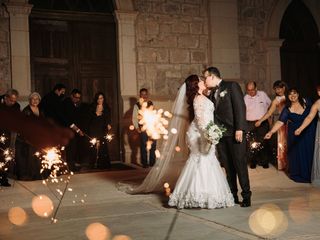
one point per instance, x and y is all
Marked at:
(273, 61)
(20, 50)
(127, 52)
(127, 67)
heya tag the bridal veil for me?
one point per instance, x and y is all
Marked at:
(170, 163)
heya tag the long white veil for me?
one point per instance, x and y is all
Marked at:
(168, 167)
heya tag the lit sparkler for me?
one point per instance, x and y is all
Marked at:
(93, 141)
(109, 137)
(51, 160)
(255, 146)
(3, 139)
(8, 154)
(154, 122)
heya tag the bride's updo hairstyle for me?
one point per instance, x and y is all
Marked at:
(192, 89)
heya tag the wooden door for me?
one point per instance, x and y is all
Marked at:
(78, 50)
(300, 51)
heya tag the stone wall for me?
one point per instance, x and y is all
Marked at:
(5, 79)
(171, 43)
(253, 15)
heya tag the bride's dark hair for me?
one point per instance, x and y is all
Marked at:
(192, 89)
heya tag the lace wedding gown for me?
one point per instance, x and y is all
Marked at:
(202, 182)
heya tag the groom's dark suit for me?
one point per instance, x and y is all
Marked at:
(230, 111)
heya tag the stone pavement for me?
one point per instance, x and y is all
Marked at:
(281, 209)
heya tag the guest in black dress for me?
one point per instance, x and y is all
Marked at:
(9, 100)
(27, 164)
(99, 125)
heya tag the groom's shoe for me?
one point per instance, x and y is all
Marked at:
(246, 202)
(236, 200)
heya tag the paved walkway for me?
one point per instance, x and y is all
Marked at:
(281, 209)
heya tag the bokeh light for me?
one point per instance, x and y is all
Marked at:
(17, 216)
(42, 206)
(121, 237)
(97, 231)
(268, 220)
(299, 210)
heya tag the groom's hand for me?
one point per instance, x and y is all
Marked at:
(239, 136)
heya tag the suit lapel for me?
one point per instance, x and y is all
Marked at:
(220, 89)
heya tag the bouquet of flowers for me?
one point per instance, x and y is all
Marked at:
(213, 133)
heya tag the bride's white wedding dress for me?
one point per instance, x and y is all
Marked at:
(202, 183)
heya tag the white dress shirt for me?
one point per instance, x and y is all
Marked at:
(257, 105)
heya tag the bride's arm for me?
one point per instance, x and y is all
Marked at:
(199, 112)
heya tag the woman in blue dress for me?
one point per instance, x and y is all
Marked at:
(300, 148)
(315, 111)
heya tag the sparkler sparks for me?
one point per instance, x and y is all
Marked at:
(52, 161)
(8, 154)
(93, 141)
(3, 139)
(109, 137)
(154, 122)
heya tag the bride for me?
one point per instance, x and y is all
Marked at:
(201, 181)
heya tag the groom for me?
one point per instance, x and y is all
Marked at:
(230, 112)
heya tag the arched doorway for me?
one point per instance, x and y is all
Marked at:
(74, 42)
(300, 52)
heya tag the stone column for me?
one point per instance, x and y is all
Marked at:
(224, 37)
(19, 41)
(127, 67)
(273, 61)
(127, 52)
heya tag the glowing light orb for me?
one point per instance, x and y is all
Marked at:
(174, 131)
(121, 237)
(42, 206)
(178, 149)
(97, 231)
(166, 185)
(299, 210)
(17, 216)
(131, 127)
(268, 220)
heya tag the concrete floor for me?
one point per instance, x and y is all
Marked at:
(294, 213)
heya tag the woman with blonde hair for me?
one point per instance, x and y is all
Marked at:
(27, 164)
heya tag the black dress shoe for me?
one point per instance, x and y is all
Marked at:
(245, 203)
(253, 165)
(236, 200)
(265, 165)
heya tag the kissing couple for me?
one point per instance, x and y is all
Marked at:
(208, 125)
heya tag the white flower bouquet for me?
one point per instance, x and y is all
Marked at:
(213, 133)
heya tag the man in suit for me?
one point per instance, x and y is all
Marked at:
(51, 104)
(9, 100)
(72, 111)
(230, 112)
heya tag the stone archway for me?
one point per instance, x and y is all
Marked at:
(300, 53)
(272, 41)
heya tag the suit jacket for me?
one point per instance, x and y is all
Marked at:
(230, 109)
(51, 106)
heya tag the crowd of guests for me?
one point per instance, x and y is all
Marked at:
(294, 119)
(86, 120)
